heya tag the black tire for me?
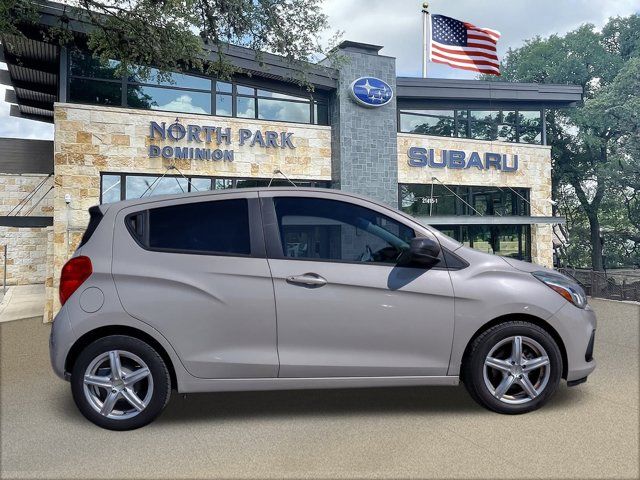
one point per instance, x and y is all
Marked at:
(159, 374)
(472, 373)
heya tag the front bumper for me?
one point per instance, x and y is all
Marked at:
(577, 329)
(60, 342)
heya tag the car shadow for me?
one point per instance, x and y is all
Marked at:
(335, 402)
(196, 407)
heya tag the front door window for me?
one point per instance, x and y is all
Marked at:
(320, 229)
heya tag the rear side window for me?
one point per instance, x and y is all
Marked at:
(219, 227)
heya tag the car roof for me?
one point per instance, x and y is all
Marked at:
(207, 193)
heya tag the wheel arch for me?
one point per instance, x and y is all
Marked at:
(524, 318)
(105, 331)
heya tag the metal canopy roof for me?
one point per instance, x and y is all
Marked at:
(447, 92)
(33, 73)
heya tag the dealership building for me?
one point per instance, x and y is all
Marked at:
(468, 157)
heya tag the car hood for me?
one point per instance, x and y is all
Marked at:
(526, 266)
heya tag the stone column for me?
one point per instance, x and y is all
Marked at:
(364, 140)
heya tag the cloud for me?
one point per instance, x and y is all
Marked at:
(397, 25)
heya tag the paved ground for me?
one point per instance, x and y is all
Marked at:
(589, 431)
(21, 302)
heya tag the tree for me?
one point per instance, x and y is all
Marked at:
(177, 35)
(593, 145)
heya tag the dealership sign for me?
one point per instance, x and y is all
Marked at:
(370, 92)
(458, 159)
(198, 135)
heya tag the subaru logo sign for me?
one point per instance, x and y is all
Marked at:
(371, 92)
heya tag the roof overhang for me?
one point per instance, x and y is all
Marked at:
(32, 71)
(448, 93)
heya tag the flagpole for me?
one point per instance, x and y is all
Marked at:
(425, 37)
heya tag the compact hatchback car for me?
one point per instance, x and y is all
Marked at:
(289, 288)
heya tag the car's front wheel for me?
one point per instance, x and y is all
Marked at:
(513, 367)
(120, 383)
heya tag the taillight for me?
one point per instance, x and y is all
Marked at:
(74, 273)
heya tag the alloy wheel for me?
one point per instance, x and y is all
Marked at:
(118, 384)
(517, 370)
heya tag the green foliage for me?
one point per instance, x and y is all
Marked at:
(178, 35)
(595, 147)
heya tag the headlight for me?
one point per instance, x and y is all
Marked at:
(569, 289)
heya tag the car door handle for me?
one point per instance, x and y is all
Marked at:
(307, 279)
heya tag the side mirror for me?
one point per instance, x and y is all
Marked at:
(423, 252)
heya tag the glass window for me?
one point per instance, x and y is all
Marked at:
(95, 92)
(110, 188)
(156, 98)
(222, 183)
(417, 200)
(170, 79)
(321, 113)
(504, 240)
(281, 96)
(83, 64)
(224, 87)
(503, 125)
(245, 107)
(242, 90)
(484, 125)
(143, 185)
(269, 109)
(223, 105)
(200, 184)
(530, 127)
(312, 228)
(428, 122)
(252, 183)
(212, 227)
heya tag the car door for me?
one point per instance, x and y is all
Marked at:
(195, 269)
(344, 307)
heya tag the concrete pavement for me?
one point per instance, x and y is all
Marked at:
(590, 431)
(22, 301)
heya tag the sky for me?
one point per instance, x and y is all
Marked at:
(397, 25)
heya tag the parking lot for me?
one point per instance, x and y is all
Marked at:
(590, 431)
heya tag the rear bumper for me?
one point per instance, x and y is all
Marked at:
(60, 342)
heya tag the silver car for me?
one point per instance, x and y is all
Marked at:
(290, 288)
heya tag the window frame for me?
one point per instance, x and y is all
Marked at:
(463, 127)
(273, 241)
(125, 83)
(233, 188)
(256, 235)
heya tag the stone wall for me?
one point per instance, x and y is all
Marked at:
(26, 247)
(92, 139)
(364, 139)
(534, 173)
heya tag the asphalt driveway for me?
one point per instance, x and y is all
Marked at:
(590, 431)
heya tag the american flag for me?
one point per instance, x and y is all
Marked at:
(463, 45)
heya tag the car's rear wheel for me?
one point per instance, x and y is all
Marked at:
(513, 367)
(120, 383)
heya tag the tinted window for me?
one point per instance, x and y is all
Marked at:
(213, 227)
(313, 228)
(95, 91)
